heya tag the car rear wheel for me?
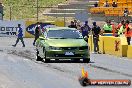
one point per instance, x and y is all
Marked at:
(86, 60)
(38, 58)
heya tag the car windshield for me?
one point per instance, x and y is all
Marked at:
(62, 34)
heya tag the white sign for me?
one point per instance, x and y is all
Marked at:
(10, 28)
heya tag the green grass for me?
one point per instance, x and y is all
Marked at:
(25, 9)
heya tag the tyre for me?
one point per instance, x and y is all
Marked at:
(38, 58)
(86, 60)
(46, 60)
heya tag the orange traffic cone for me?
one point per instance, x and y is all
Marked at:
(84, 74)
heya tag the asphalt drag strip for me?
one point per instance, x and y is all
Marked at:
(31, 55)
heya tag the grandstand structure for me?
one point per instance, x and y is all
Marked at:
(113, 11)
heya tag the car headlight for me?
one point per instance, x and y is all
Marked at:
(54, 48)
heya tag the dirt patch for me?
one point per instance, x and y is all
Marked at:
(25, 53)
(30, 54)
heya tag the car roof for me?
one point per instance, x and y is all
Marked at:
(61, 28)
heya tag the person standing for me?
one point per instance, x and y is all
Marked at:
(19, 36)
(85, 29)
(75, 22)
(114, 4)
(128, 32)
(96, 4)
(126, 12)
(72, 25)
(120, 24)
(78, 25)
(121, 30)
(107, 28)
(106, 4)
(37, 33)
(96, 31)
(118, 29)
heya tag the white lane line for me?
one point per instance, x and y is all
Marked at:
(125, 59)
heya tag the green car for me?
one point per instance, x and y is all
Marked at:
(62, 43)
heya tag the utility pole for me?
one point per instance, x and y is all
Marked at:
(10, 8)
(37, 10)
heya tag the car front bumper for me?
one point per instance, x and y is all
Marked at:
(58, 54)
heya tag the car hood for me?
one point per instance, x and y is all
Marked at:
(66, 42)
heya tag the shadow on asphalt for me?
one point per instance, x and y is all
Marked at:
(66, 61)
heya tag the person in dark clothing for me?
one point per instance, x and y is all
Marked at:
(96, 31)
(75, 22)
(72, 25)
(114, 4)
(19, 36)
(37, 33)
(85, 29)
(126, 12)
(96, 4)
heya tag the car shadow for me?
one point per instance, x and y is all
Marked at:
(66, 61)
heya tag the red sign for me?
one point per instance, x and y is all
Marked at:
(117, 43)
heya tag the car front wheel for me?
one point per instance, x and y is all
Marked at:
(46, 60)
(38, 58)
